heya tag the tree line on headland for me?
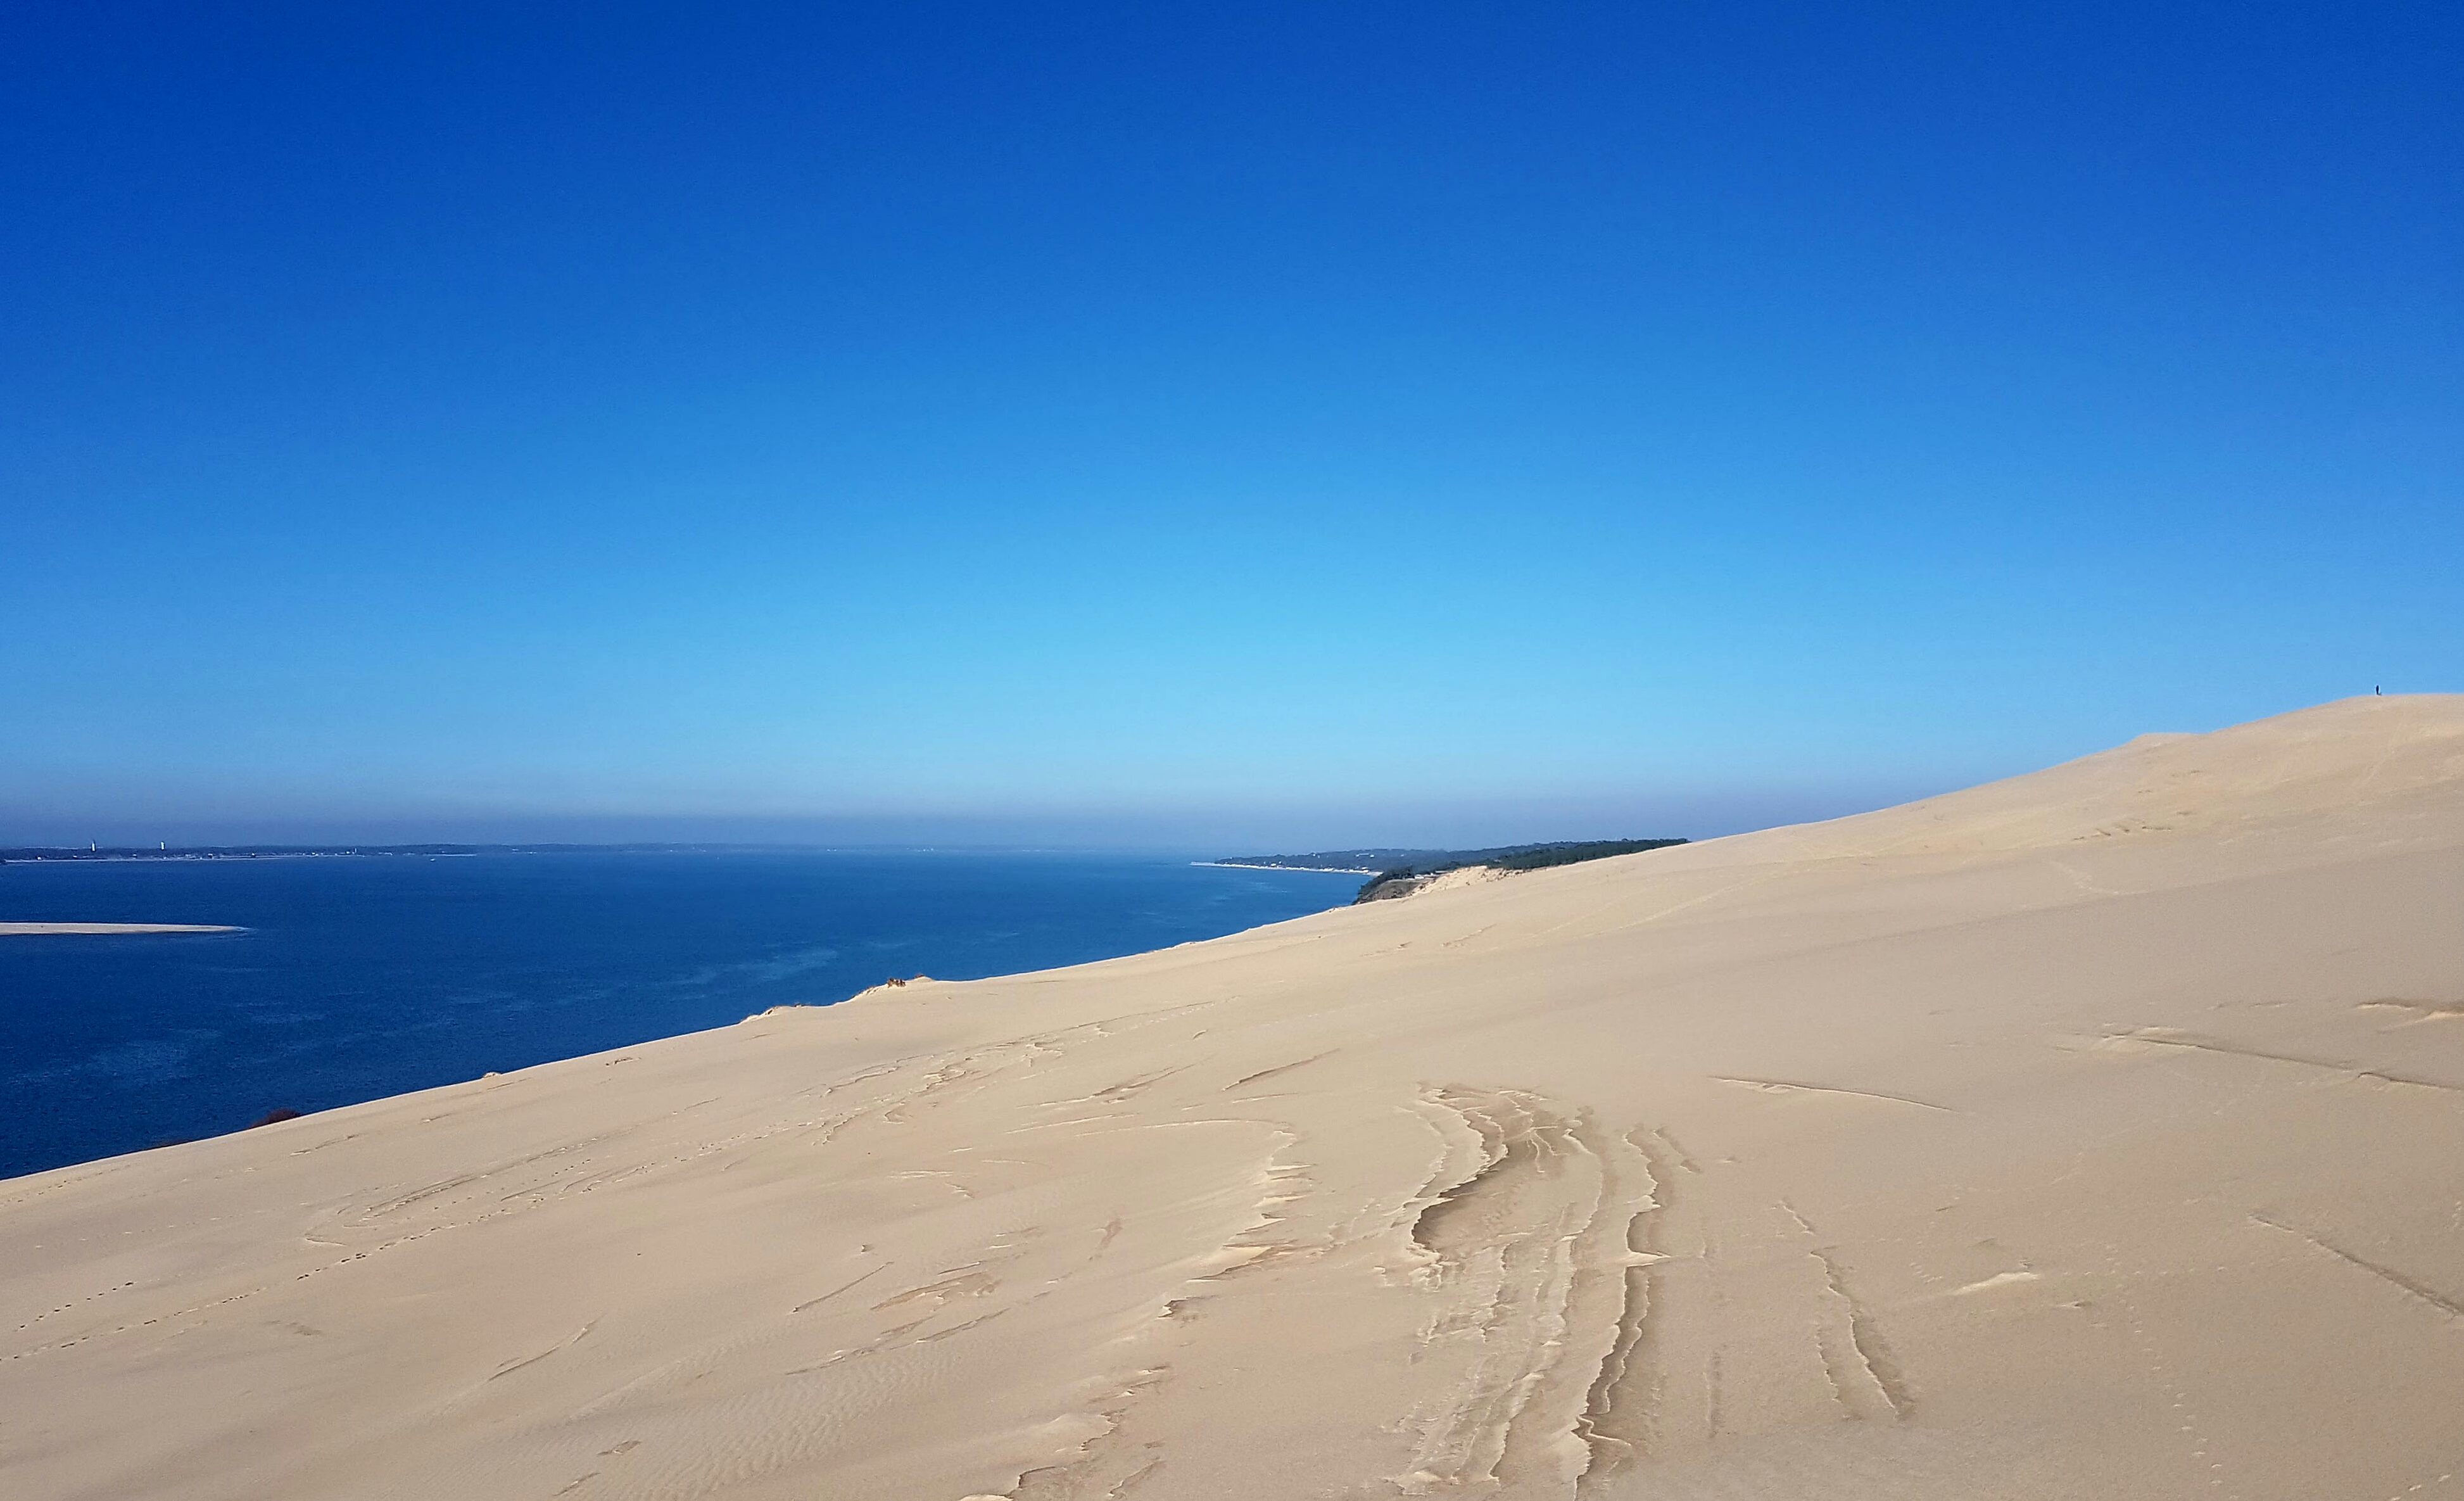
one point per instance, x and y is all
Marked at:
(1398, 872)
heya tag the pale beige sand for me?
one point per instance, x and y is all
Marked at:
(27, 930)
(2098, 1133)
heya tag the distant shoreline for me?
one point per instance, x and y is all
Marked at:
(106, 854)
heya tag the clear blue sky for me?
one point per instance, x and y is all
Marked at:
(1262, 424)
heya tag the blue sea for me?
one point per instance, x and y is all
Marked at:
(358, 977)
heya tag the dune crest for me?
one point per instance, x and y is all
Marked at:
(2097, 1132)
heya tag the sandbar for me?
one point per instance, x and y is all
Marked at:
(24, 929)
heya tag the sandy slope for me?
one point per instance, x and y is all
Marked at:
(2095, 1133)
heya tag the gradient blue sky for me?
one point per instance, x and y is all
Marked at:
(1254, 425)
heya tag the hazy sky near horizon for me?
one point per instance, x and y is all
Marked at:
(1379, 422)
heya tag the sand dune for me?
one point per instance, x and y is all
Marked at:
(2095, 1133)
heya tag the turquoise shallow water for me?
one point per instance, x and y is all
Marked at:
(364, 977)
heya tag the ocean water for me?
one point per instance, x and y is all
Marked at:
(363, 977)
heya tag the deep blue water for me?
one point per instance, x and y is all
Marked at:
(362, 977)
